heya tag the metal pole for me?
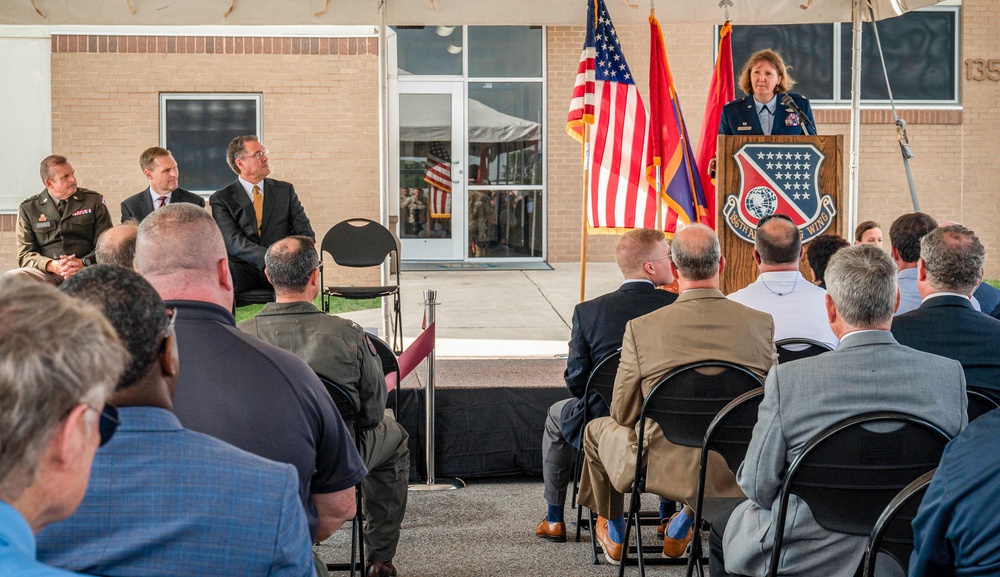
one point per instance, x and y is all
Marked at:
(433, 484)
(852, 199)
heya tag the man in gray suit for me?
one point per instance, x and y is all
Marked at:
(870, 371)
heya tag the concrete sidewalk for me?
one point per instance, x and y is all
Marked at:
(498, 313)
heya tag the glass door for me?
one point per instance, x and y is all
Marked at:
(432, 182)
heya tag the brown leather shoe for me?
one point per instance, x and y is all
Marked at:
(379, 569)
(675, 547)
(555, 532)
(612, 550)
(661, 529)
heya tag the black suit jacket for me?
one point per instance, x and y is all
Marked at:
(598, 330)
(283, 216)
(948, 326)
(739, 117)
(139, 206)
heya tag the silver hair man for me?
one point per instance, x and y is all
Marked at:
(953, 258)
(696, 254)
(861, 281)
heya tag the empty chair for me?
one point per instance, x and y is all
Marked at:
(793, 349)
(390, 367)
(848, 473)
(362, 243)
(729, 435)
(893, 532)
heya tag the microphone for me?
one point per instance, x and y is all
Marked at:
(787, 100)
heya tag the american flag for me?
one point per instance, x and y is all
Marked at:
(620, 197)
(437, 173)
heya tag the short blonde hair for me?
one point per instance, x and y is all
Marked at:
(636, 248)
(774, 59)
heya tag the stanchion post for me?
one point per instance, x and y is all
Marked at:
(433, 483)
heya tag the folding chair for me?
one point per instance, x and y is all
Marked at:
(602, 382)
(347, 410)
(257, 296)
(980, 403)
(849, 472)
(812, 348)
(361, 243)
(683, 404)
(390, 366)
(893, 532)
(729, 435)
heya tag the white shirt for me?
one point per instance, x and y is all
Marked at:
(766, 118)
(797, 306)
(248, 187)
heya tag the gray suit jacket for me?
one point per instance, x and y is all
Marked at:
(869, 372)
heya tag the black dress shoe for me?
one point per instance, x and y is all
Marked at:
(379, 569)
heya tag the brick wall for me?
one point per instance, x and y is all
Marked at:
(320, 113)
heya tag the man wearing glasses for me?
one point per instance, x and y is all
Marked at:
(254, 212)
(797, 306)
(164, 499)
(49, 417)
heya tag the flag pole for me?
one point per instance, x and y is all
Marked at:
(585, 147)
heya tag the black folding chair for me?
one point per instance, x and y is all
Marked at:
(602, 382)
(849, 472)
(257, 296)
(893, 532)
(349, 412)
(980, 403)
(683, 404)
(811, 349)
(390, 366)
(728, 435)
(361, 243)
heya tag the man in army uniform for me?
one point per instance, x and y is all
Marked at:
(339, 350)
(418, 211)
(57, 229)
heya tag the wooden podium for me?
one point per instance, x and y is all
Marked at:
(798, 176)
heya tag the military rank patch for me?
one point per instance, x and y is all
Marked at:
(83, 211)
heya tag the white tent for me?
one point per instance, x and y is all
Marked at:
(420, 118)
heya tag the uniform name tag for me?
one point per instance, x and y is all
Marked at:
(744, 128)
(43, 224)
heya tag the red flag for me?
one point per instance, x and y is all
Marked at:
(620, 197)
(720, 93)
(669, 145)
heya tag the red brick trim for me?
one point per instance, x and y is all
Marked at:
(211, 45)
(911, 116)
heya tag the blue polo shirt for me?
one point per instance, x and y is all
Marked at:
(17, 548)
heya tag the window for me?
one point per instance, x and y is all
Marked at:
(920, 48)
(197, 128)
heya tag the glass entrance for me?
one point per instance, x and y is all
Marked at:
(431, 172)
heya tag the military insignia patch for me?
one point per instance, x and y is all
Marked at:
(371, 346)
(41, 218)
(83, 212)
(779, 179)
(792, 119)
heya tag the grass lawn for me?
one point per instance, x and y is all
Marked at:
(337, 306)
(993, 283)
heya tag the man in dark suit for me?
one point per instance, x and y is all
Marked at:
(643, 256)
(950, 267)
(254, 212)
(161, 171)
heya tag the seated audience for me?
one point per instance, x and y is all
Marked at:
(238, 388)
(164, 500)
(868, 232)
(59, 360)
(160, 169)
(643, 256)
(701, 325)
(820, 250)
(117, 245)
(805, 397)
(340, 351)
(781, 291)
(905, 234)
(950, 267)
(954, 532)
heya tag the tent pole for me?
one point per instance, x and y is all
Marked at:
(383, 101)
(852, 209)
(586, 198)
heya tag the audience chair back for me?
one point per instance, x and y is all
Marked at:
(849, 472)
(980, 403)
(684, 403)
(601, 381)
(363, 243)
(256, 296)
(390, 366)
(349, 412)
(805, 348)
(729, 435)
(893, 532)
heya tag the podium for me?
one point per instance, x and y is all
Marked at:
(757, 176)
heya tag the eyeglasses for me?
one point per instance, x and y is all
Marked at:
(761, 222)
(171, 314)
(660, 258)
(108, 423)
(257, 154)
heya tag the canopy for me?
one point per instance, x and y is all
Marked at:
(421, 119)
